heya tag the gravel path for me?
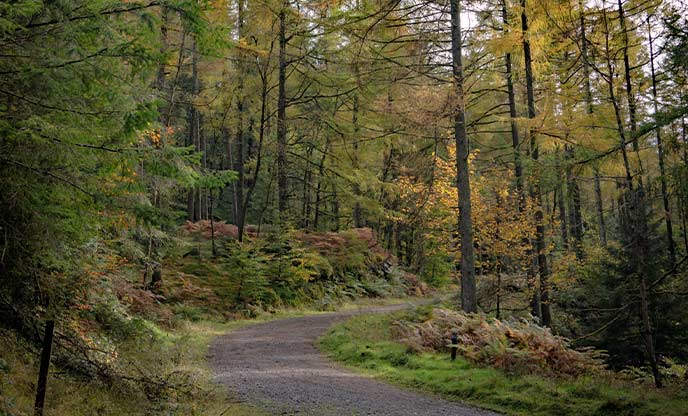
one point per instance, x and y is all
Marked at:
(276, 366)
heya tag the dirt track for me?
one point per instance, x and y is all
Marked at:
(276, 366)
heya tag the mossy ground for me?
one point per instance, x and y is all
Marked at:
(365, 343)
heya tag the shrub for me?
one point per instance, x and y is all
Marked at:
(516, 346)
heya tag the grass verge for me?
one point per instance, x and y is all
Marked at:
(366, 344)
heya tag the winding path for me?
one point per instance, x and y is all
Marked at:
(276, 366)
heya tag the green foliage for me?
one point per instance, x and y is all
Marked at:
(216, 179)
(599, 304)
(282, 270)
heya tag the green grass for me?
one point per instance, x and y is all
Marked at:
(365, 343)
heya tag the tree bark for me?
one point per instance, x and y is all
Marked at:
(240, 139)
(282, 184)
(627, 74)
(193, 205)
(562, 216)
(259, 151)
(469, 301)
(636, 217)
(574, 199)
(319, 186)
(671, 245)
(212, 222)
(539, 224)
(518, 167)
(513, 114)
(335, 209)
(599, 203)
(599, 207)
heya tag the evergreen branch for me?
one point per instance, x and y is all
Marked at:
(49, 174)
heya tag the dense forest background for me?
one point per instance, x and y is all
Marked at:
(533, 153)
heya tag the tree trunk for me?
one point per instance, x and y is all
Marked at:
(319, 186)
(259, 153)
(660, 154)
(513, 114)
(518, 169)
(357, 214)
(539, 224)
(599, 203)
(599, 207)
(282, 185)
(637, 216)
(193, 205)
(306, 196)
(212, 223)
(627, 75)
(203, 144)
(240, 139)
(335, 208)
(469, 301)
(562, 217)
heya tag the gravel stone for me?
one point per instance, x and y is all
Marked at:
(276, 366)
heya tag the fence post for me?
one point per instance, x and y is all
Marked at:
(45, 365)
(454, 345)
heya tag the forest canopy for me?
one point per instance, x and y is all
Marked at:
(534, 153)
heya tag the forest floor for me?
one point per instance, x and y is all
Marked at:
(276, 366)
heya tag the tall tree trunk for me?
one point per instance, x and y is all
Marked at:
(203, 145)
(518, 167)
(539, 218)
(635, 207)
(357, 213)
(164, 44)
(513, 114)
(682, 202)
(193, 206)
(230, 164)
(599, 207)
(469, 301)
(212, 222)
(240, 139)
(599, 203)
(319, 186)
(574, 211)
(282, 185)
(259, 152)
(660, 155)
(306, 197)
(627, 74)
(335, 209)
(561, 204)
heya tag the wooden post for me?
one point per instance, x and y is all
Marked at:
(45, 365)
(454, 345)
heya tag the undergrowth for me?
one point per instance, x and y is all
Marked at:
(368, 343)
(126, 348)
(177, 357)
